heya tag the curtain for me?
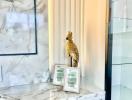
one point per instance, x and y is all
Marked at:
(86, 19)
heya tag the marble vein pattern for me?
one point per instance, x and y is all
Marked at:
(28, 69)
(46, 91)
(17, 27)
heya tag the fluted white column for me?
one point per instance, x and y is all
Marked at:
(51, 32)
(82, 35)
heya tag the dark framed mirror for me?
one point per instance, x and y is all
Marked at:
(18, 27)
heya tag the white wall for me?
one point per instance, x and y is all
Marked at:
(95, 30)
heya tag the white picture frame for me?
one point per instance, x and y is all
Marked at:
(72, 80)
(59, 74)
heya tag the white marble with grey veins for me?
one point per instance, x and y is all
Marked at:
(30, 69)
(47, 91)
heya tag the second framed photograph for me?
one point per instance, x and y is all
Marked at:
(72, 79)
(59, 72)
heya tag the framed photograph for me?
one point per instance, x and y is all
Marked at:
(59, 72)
(72, 79)
(18, 27)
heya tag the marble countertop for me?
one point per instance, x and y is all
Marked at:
(46, 91)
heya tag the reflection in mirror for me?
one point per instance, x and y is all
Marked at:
(18, 35)
(17, 28)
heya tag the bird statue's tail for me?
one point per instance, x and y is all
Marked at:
(75, 59)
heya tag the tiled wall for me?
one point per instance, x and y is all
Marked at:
(121, 15)
(122, 42)
(126, 74)
(1, 74)
(116, 75)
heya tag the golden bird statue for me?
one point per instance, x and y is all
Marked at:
(71, 50)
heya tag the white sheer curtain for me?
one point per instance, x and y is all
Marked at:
(64, 15)
(86, 19)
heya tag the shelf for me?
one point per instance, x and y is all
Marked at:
(122, 33)
(121, 93)
(47, 91)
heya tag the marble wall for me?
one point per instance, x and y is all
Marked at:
(26, 69)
